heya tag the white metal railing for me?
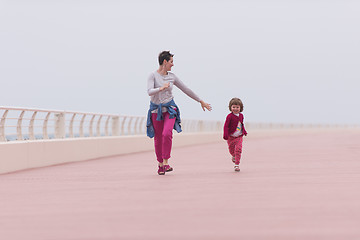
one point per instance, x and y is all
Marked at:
(31, 124)
(254, 125)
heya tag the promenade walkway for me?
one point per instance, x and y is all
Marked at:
(291, 186)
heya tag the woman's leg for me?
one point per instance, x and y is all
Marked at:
(167, 136)
(158, 129)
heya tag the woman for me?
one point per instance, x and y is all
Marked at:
(164, 114)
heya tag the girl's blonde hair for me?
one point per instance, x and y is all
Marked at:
(236, 101)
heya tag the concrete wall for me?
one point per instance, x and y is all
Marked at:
(21, 155)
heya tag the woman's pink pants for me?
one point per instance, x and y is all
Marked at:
(163, 136)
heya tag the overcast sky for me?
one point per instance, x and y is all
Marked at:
(290, 61)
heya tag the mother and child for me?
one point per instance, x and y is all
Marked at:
(164, 114)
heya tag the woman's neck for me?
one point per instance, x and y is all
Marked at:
(162, 71)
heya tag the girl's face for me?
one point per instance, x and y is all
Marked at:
(169, 64)
(235, 109)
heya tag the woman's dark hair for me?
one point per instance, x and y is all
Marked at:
(236, 101)
(165, 55)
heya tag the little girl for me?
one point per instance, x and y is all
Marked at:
(234, 130)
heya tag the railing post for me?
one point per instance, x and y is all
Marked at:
(59, 125)
(107, 126)
(45, 124)
(31, 127)
(201, 126)
(142, 125)
(19, 126)
(219, 126)
(129, 126)
(2, 126)
(135, 125)
(123, 125)
(81, 128)
(115, 129)
(71, 126)
(98, 132)
(91, 126)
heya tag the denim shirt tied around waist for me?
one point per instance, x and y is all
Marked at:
(149, 125)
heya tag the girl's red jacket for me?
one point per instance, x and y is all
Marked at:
(231, 124)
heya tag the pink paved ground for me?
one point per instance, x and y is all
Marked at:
(290, 187)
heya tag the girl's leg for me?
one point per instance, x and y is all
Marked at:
(238, 149)
(231, 145)
(167, 136)
(158, 129)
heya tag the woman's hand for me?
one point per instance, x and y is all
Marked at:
(165, 86)
(205, 105)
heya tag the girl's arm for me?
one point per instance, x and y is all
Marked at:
(226, 128)
(243, 124)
